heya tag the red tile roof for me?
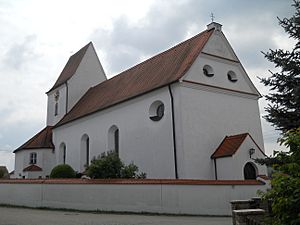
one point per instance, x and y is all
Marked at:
(32, 168)
(134, 181)
(229, 145)
(43, 139)
(71, 67)
(158, 71)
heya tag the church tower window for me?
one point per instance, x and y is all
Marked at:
(56, 97)
(56, 109)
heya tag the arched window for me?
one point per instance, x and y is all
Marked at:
(56, 109)
(62, 153)
(84, 152)
(56, 97)
(113, 138)
(250, 171)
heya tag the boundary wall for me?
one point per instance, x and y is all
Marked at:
(191, 197)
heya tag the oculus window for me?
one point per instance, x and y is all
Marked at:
(208, 71)
(232, 76)
(156, 111)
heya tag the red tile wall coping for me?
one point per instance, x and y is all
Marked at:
(132, 181)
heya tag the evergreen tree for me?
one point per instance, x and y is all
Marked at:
(284, 108)
(284, 113)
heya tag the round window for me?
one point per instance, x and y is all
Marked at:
(232, 76)
(156, 111)
(208, 71)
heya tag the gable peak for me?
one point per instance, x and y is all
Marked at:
(214, 25)
(71, 66)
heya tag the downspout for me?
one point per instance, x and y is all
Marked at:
(67, 96)
(216, 171)
(173, 132)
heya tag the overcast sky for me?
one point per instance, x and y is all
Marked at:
(37, 38)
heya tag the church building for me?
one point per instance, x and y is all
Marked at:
(190, 112)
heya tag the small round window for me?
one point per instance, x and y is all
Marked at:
(156, 111)
(208, 71)
(232, 76)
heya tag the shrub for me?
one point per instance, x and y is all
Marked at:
(62, 171)
(3, 172)
(109, 165)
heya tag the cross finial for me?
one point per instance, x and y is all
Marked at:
(212, 17)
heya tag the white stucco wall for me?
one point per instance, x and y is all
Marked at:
(207, 116)
(153, 198)
(52, 119)
(147, 143)
(45, 160)
(220, 69)
(88, 74)
(218, 45)
(232, 168)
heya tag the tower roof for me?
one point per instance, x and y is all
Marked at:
(71, 67)
(158, 71)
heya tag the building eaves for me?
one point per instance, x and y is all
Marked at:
(43, 139)
(158, 71)
(71, 67)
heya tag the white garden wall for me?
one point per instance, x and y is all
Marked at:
(154, 196)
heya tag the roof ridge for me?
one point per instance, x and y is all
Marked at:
(238, 135)
(155, 72)
(70, 67)
(162, 53)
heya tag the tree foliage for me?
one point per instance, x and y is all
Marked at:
(63, 171)
(109, 165)
(284, 113)
(285, 192)
(284, 100)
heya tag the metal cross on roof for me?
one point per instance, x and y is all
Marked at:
(212, 17)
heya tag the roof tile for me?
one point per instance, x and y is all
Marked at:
(229, 146)
(71, 67)
(32, 168)
(43, 139)
(158, 71)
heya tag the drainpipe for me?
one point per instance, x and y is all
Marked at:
(173, 132)
(216, 171)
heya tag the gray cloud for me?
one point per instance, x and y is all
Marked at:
(20, 53)
(169, 22)
(163, 26)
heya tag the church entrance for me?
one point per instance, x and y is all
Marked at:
(249, 171)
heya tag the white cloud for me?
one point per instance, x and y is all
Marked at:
(7, 159)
